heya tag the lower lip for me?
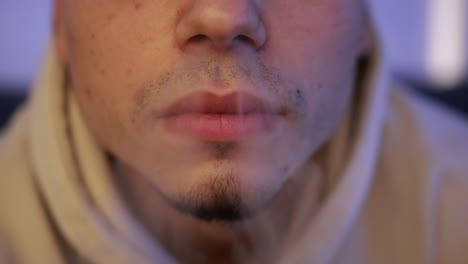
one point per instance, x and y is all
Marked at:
(221, 127)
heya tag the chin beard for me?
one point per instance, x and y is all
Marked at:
(217, 200)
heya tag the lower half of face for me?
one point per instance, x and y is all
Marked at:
(223, 174)
(303, 75)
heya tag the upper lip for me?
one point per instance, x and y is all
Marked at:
(229, 104)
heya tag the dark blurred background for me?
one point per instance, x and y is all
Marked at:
(426, 42)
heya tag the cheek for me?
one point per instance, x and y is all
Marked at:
(107, 61)
(320, 34)
(317, 47)
(116, 41)
(327, 105)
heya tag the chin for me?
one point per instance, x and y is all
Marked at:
(222, 198)
(219, 182)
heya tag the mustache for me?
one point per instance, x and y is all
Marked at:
(260, 79)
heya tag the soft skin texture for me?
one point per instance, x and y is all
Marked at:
(129, 59)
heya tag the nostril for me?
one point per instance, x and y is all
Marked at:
(245, 39)
(198, 38)
(221, 25)
(201, 38)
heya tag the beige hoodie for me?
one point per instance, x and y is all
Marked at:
(401, 197)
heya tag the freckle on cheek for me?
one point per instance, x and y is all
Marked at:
(103, 72)
(299, 97)
(110, 17)
(88, 92)
(284, 168)
(137, 5)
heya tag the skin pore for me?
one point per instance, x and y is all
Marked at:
(209, 201)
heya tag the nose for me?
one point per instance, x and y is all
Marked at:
(221, 25)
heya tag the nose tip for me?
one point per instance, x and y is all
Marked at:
(222, 25)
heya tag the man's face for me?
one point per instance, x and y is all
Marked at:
(217, 103)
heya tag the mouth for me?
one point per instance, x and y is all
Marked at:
(210, 117)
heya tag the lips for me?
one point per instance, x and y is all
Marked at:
(209, 117)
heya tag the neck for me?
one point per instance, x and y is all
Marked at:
(259, 239)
